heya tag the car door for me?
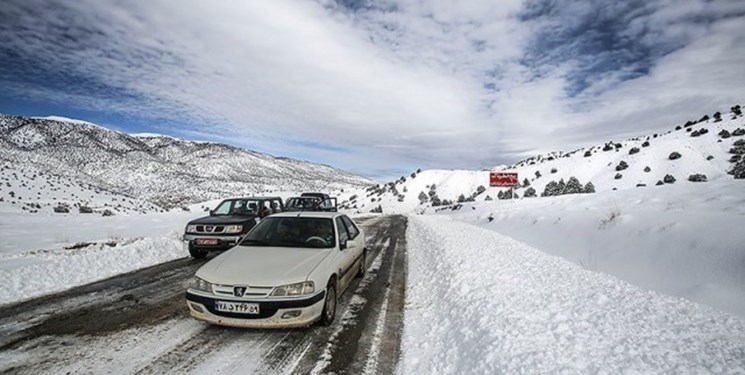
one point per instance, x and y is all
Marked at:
(347, 255)
(357, 236)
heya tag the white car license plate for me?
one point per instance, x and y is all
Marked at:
(237, 307)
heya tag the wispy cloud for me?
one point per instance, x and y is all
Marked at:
(382, 85)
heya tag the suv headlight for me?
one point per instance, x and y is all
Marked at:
(201, 285)
(191, 228)
(233, 228)
(296, 289)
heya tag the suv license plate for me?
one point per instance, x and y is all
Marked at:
(237, 307)
(206, 241)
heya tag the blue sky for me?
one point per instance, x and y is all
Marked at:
(377, 87)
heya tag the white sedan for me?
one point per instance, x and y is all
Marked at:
(287, 272)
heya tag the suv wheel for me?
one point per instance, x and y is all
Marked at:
(196, 252)
(329, 304)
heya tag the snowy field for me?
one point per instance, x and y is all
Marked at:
(480, 302)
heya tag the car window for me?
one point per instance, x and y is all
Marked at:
(224, 208)
(343, 234)
(292, 232)
(276, 206)
(351, 227)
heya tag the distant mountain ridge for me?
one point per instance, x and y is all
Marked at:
(159, 169)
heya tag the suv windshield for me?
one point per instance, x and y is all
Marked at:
(303, 203)
(237, 207)
(292, 232)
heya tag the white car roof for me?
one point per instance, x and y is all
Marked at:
(315, 214)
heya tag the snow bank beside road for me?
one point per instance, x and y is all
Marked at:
(685, 240)
(480, 302)
(35, 273)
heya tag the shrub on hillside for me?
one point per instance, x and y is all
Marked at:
(736, 110)
(589, 188)
(85, 210)
(588, 153)
(618, 176)
(659, 182)
(621, 166)
(634, 150)
(573, 186)
(61, 209)
(738, 132)
(423, 198)
(669, 179)
(674, 155)
(107, 212)
(529, 193)
(647, 169)
(551, 189)
(697, 177)
(738, 171)
(645, 144)
(526, 182)
(554, 170)
(724, 134)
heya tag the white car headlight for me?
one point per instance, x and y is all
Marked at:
(201, 285)
(191, 228)
(233, 228)
(296, 289)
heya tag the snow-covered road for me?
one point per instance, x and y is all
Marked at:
(139, 323)
(480, 302)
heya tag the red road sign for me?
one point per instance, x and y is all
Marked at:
(503, 179)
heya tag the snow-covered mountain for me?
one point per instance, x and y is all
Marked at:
(708, 147)
(48, 161)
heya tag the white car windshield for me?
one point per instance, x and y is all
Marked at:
(292, 232)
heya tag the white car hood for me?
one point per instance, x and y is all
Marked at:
(262, 266)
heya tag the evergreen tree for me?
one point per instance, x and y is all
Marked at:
(589, 188)
(573, 186)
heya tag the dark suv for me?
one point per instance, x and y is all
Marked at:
(311, 202)
(228, 223)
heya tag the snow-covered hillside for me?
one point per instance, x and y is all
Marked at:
(642, 162)
(45, 162)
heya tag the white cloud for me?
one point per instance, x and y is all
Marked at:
(395, 85)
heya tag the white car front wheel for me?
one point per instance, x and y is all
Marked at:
(329, 304)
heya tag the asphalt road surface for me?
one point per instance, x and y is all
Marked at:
(139, 323)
